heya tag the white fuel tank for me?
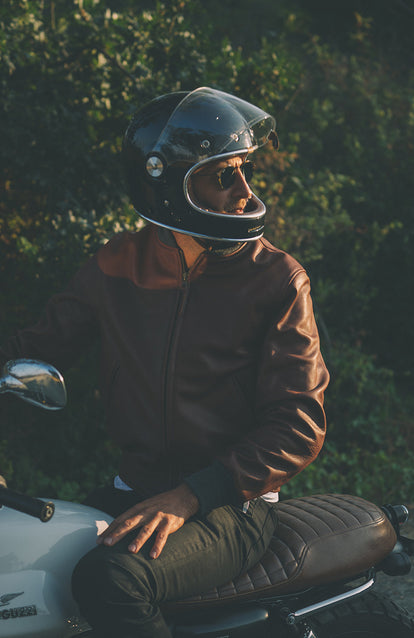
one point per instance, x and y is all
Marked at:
(36, 564)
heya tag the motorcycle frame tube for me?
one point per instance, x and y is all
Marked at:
(293, 617)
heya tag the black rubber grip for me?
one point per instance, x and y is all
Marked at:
(43, 510)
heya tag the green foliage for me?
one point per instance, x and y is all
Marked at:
(356, 124)
(339, 194)
(369, 447)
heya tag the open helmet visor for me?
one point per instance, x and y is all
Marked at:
(209, 123)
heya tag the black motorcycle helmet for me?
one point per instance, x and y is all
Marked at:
(175, 134)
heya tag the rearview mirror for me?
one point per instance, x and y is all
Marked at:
(35, 382)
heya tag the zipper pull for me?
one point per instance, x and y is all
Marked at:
(184, 268)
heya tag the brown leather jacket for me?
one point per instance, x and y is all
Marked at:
(212, 375)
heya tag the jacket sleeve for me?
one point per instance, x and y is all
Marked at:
(65, 329)
(289, 427)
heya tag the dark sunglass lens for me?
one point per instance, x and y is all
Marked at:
(248, 169)
(227, 177)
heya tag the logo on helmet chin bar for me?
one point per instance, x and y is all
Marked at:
(253, 230)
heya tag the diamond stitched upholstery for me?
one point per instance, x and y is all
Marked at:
(319, 539)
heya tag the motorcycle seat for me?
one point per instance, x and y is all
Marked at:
(319, 539)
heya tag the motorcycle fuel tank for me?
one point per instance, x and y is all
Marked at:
(36, 564)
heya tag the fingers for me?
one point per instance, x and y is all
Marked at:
(120, 527)
(145, 533)
(160, 541)
(163, 524)
(164, 513)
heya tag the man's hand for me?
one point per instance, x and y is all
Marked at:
(163, 514)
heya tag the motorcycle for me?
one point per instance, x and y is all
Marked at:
(315, 580)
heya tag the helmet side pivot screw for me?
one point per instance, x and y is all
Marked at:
(154, 166)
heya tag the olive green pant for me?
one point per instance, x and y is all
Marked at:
(120, 593)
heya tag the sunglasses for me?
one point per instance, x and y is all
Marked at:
(227, 176)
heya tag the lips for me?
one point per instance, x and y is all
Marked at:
(239, 209)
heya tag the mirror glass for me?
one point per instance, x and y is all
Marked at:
(35, 382)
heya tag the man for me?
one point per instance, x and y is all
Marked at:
(211, 368)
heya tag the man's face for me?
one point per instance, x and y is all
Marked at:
(207, 192)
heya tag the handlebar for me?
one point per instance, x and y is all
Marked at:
(43, 510)
(398, 515)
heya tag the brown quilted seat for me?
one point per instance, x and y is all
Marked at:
(320, 539)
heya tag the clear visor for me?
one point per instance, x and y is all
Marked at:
(208, 123)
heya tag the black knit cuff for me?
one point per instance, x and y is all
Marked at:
(213, 487)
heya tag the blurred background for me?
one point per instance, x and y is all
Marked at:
(339, 78)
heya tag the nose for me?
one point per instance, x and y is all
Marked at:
(240, 187)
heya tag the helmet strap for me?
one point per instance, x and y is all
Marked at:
(217, 247)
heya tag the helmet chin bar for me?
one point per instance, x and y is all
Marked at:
(199, 235)
(255, 211)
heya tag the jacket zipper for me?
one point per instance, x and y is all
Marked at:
(171, 358)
